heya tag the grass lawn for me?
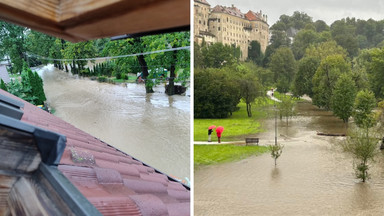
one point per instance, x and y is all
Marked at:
(131, 79)
(237, 125)
(212, 154)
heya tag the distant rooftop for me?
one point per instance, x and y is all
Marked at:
(203, 2)
(234, 11)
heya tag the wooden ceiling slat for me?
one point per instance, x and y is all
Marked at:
(75, 20)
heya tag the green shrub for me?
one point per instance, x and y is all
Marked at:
(102, 79)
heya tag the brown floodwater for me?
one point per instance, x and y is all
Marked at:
(153, 128)
(313, 176)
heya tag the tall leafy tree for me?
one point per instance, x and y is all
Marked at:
(343, 97)
(175, 61)
(302, 83)
(77, 51)
(325, 79)
(364, 104)
(12, 44)
(283, 67)
(254, 53)
(250, 87)
(216, 93)
(219, 55)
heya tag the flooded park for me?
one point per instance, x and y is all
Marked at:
(153, 128)
(312, 177)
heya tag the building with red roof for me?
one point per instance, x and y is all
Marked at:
(229, 25)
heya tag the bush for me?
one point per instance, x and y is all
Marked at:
(118, 76)
(216, 94)
(102, 79)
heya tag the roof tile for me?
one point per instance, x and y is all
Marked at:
(108, 176)
(150, 204)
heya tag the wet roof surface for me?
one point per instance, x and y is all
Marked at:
(114, 182)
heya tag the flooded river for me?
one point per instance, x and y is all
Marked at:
(153, 128)
(312, 177)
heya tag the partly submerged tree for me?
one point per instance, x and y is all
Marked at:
(286, 107)
(363, 146)
(364, 104)
(276, 151)
(325, 79)
(343, 97)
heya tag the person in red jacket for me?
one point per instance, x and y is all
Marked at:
(219, 131)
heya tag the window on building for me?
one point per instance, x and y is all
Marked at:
(218, 20)
(218, 28)
(199, 21)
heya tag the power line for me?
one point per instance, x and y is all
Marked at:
(110, 57)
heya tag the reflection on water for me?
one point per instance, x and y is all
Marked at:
(312, 177)
(154, 128)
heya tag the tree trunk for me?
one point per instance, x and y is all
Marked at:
(249, 109)
(144, 69)
(171, 85)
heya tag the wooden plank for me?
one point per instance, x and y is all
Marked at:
(46, 9)
(149, 18)
(23, 199)
(18, 151)
(85, 20)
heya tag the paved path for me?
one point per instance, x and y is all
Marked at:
(269, 94)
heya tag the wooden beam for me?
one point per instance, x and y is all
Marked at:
(75, 20)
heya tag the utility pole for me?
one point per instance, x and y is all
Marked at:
(275, 122)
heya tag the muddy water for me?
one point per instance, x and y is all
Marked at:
(153, 128)
(313, 177)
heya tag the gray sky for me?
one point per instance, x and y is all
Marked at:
(326, 10)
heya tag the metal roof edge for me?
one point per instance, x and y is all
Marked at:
(76, 201)
(50, 144)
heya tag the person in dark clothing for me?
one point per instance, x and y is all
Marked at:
(209, 135)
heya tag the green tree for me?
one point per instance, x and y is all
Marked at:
(321, 26)
(3, 85)
(175, 61)
(12, 44)
(364, 103)
(216, 93)
(343, 97)
(282, 66)
(363, 146)
(218, 55)
(325, 78)
(303, 39)
(77, 51)
(250, 89)
(303, 78)
(254, 53)
(276, 151)
(278, 39)
(286, 107)
(325, 49)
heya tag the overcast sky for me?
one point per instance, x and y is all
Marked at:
(326, 10)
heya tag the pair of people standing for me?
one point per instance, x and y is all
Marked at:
(219, 131)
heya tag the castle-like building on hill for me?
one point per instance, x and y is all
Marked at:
(228, 25)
